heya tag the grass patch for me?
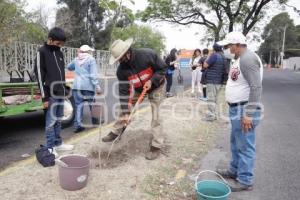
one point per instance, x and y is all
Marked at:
(162, 184)
(185, 155)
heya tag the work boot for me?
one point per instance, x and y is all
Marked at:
(153, 153)
(226, 173)
(209, 118)
(238, 187)
(110, 137)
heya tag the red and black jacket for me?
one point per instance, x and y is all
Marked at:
(144, 65)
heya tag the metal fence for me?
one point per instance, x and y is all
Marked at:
(17, 58)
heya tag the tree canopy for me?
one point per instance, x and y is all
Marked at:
(99, 22)
(82, 21)
(219, 17)
(144, 37)
(273, 38)
(92, 21)
(17, 25)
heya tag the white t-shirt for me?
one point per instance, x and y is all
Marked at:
(194, 62)
(237, 87)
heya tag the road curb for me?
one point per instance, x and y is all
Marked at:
(75, 139)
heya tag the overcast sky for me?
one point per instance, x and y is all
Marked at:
(176, 36)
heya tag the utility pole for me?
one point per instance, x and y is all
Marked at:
(283, 42)
(270, 59)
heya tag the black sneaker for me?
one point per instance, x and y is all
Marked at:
(78, 130)
(238, 187)
(110, 137)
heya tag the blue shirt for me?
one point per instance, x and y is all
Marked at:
(212, 59)
(216, 68)
(86, 75)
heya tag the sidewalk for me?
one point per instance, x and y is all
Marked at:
(127, 175)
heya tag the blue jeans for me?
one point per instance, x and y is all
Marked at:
(81, 96)
(242, 146)
(54, 114)
(169, 78)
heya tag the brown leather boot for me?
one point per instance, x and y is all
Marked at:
(110, 137)
(153, 153)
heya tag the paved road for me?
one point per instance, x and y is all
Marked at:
(21, 135)
(277, 175)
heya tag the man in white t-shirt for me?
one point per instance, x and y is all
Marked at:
(243, 94)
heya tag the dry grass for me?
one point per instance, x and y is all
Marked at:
(128, 175)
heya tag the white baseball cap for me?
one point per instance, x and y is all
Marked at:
(118, 49)
(233, 38)
(86, 48)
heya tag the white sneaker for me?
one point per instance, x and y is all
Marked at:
(64, 147)
(53, 151)
(203, 98)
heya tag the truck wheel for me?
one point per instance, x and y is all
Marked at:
(69, 113)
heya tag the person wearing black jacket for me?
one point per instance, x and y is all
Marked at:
(50, 73)
(203, 76)
(138, 69)
(171, 62)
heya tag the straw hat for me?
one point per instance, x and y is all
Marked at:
(118, 49)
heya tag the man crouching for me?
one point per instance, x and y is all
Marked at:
(138, 70)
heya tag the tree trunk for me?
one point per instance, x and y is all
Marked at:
(230, 29)
(217, 35)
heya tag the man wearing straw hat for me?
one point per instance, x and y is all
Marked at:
(138, 70)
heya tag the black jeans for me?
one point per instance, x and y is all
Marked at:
(169, 78)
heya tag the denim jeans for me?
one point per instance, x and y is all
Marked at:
(54, 114)
(169, 78)
(80, 97)
(242, 146)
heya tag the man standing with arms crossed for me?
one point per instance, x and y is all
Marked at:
(243, 94)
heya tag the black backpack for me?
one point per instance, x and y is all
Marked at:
(45, 158)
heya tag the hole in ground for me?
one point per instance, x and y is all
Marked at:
(132, 144)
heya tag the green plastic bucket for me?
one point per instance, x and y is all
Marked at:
(212, 189)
